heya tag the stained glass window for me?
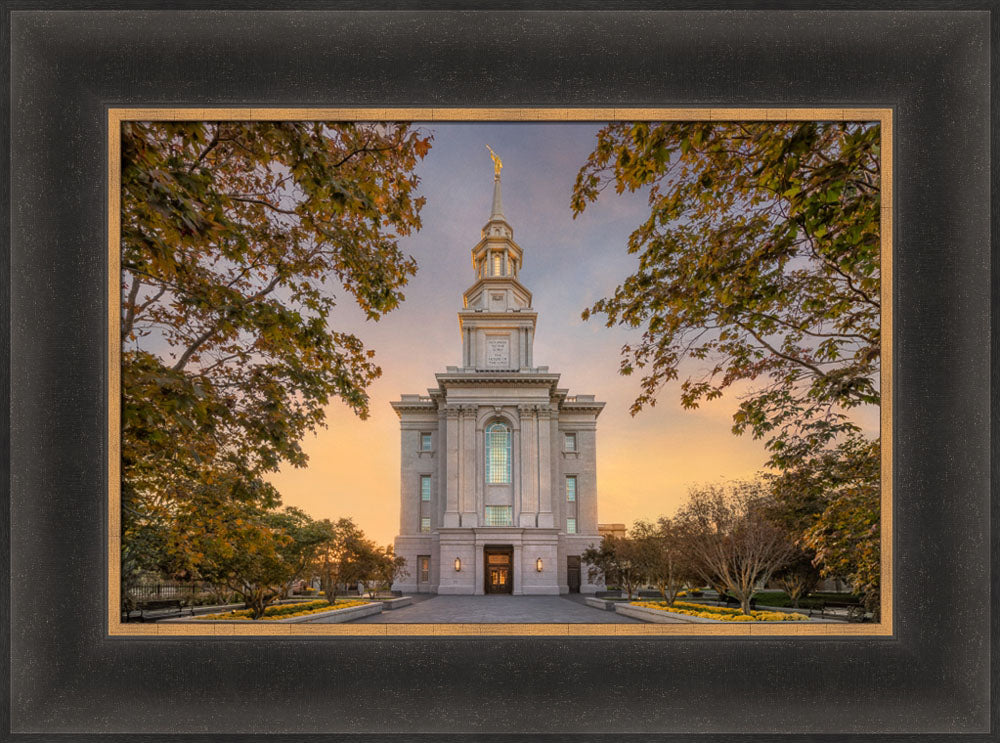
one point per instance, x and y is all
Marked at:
(425, 524)
(498, 463)
(499, 516)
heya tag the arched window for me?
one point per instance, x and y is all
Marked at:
(497, 454)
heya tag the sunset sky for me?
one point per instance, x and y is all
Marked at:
(645, 463)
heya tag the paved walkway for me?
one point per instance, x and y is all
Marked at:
(496, 610)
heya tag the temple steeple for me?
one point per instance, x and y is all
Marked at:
(497, 462)
(493, 337)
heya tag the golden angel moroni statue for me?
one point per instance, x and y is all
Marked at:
(497, 162)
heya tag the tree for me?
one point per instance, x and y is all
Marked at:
(814, 503)
(308, 539)
(846, 538)
(619, 561)
(759, 262)
(340, 561)
(663, 555)
(233, 543)
(391, 568)
(800, 576)
(235, 239)
(728, 537)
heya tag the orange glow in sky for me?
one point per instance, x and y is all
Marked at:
(646, 463)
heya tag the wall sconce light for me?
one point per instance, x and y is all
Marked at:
(538, 564)
(458, 564)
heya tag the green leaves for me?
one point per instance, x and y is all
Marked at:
(235, 236)
(759, 259)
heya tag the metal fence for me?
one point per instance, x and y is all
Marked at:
(166, 590)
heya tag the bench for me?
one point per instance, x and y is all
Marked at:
(855, 612)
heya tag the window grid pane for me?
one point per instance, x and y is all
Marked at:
(425, 523)
(570, 442)
(571, 488)
(425, 442)
(499, 516)
(498, 457)
(571, 526)
(425, 487)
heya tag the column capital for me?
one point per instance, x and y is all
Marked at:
(451, 410)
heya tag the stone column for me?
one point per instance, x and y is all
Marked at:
(518, 572)
(515, 451)
(480, 475)
(545, 518)
(468, 482)
(479, 589)
(528, 469)
(451, 518)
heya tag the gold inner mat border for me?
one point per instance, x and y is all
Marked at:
(117, 628)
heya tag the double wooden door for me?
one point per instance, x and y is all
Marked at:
(499, 572)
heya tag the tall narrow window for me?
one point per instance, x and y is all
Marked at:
(570, 442)
(571, 488)
(425, 442)
(425, 487)
(424, 561)
(498, 464)
(571, 526)
(497, 264)
(425, 524)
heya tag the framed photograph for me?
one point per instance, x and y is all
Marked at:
(713, 425)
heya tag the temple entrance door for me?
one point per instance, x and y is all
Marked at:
(499, 572)
(573, 573)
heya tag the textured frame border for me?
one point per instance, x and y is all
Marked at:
(935, 67)
(115, 118)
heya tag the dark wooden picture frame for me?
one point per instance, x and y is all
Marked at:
(70, 64)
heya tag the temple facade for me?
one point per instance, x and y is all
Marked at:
(498, 479)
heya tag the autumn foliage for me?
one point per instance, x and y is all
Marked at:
(237, 241)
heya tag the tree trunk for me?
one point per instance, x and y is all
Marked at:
(745, 603)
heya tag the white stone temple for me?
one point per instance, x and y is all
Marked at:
(498, 480)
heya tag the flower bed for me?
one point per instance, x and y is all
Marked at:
(286, 611)
(722, 613)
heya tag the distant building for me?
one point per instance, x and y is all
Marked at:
(498, 485)
(611, 530)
